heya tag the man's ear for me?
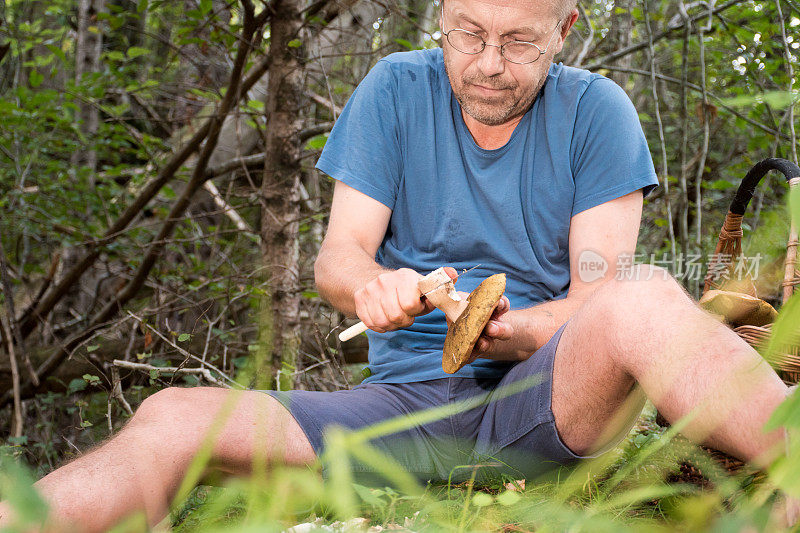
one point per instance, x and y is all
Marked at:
(569, 21)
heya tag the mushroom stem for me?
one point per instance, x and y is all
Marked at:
(447, 299)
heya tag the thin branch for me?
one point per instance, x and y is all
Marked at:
(16, 427)
(34, 313)
(683, 213)
(661, 137)
(584, 51)
(15, 337)
(187, 354)
(250, 34)
(790, 71)
(701, 164)
(116, 391)
(325, 102)
(204, 372)
(697, 88)
(226, 208)
(657, 37)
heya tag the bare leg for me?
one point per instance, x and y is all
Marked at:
(650, 333)
(142, 467)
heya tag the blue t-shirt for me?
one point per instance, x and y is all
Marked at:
(401, 139)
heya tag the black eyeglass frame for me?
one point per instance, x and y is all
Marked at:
(501, 46)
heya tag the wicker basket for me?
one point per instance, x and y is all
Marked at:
(728, 252)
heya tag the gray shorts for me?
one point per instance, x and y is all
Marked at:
(509, 435)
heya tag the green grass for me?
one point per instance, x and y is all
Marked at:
(640, 486)
(627, 490)
(636, 487)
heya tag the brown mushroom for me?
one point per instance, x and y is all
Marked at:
(464, 332)
(738, 309)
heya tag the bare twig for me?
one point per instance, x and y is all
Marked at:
(719, 100)
(325, 102)
(13, 333)
(250, 35)
(34, 313)
(184, 352)
(608, 58)
(204, 372)
(790, 71)
(586, 42)
(683, 212)
(701, 164)
(116, 391)
(661, 137)
(16, 427)
(248, 162)
(226, 208)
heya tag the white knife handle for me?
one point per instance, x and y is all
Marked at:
(438, 279)
(352, 331)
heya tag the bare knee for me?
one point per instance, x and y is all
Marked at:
(627, 312)
(165, 405)
(641, 301)
(239, 425)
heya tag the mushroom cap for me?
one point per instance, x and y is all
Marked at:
(738, 309)
(463, 334)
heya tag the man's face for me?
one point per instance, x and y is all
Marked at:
(490, 89)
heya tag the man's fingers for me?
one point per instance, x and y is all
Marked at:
(410, 301)
(497, 329)
(481, 347)
(367, 318)
(502, 307)
(396, 310)
(392, 315)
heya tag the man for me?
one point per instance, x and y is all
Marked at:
(483, 152)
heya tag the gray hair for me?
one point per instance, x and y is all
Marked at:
(564, 7)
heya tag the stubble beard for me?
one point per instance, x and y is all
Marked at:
(491, 111)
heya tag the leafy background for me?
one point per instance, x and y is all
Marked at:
(160, 209)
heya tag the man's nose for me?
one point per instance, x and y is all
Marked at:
(491, 61)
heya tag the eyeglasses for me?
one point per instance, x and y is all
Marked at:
(519, 52)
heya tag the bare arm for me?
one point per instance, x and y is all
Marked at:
(609, 229)
(346, 260)
(347, 275)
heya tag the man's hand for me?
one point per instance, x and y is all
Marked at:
(392, 300)
(496, 330)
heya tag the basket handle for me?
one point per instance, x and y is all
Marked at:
(748, 186)
(729, 244)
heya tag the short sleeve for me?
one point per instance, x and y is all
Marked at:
(609, 153)
(363, 148)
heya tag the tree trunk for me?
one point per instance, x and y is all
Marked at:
(280, 328)
(88, 47)
(621, 28)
